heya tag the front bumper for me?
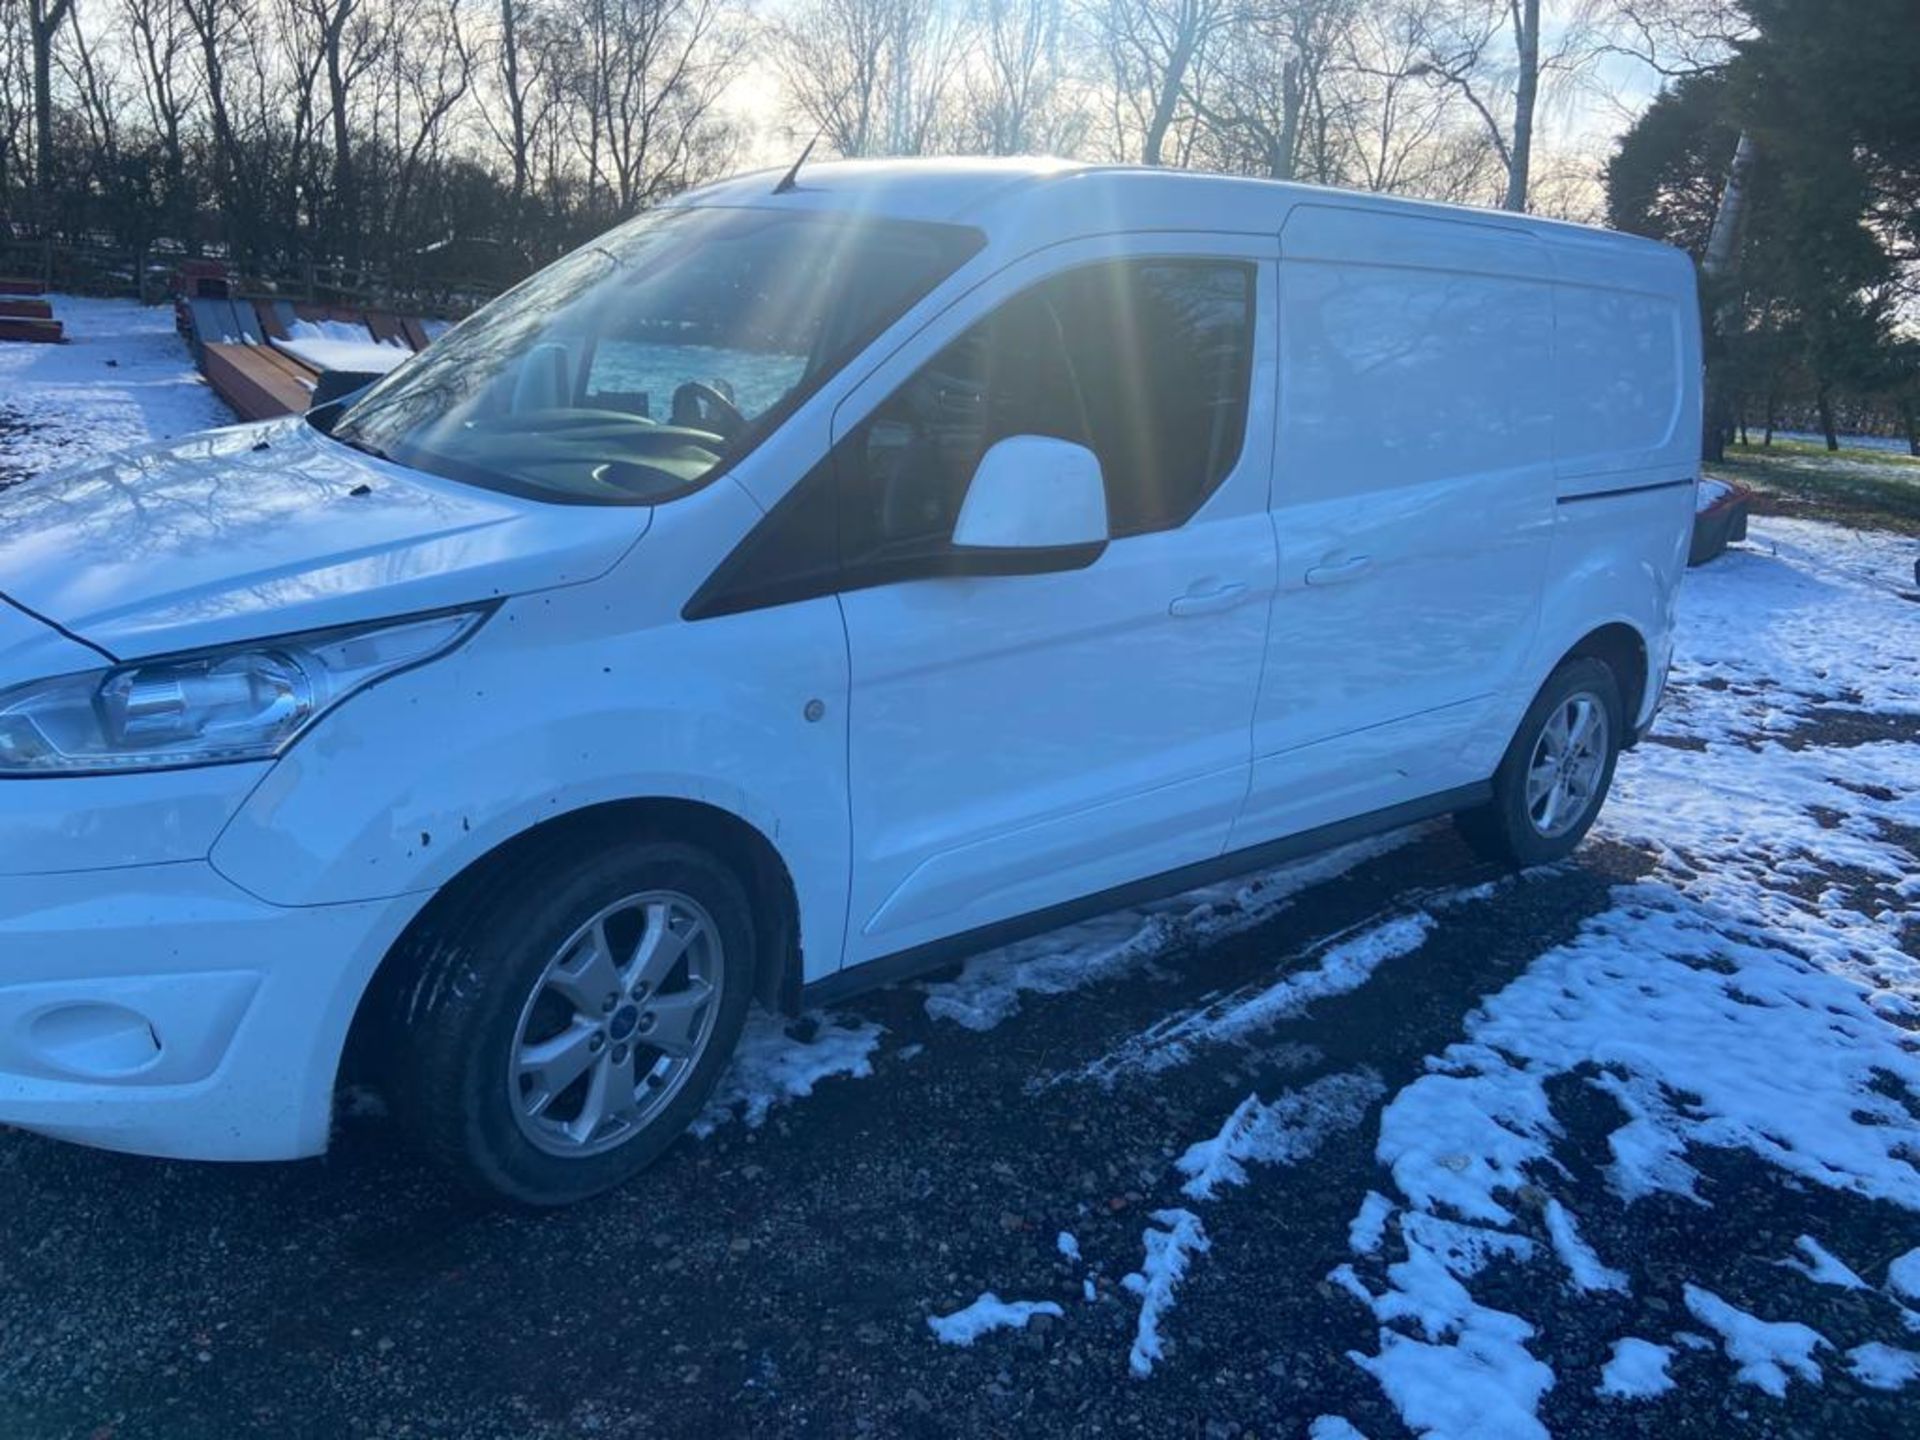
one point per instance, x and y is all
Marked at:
(163, 1010)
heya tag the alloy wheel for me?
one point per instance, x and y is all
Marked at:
(615, 1024)
(1569, 759)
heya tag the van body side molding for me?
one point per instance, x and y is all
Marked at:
(906, 964)
(1646, 489)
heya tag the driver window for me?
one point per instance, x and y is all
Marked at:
(1147, 362)
(904, 472)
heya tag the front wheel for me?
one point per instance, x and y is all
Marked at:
(1556, 773)
(560, 1035)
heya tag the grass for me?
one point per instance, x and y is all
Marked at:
(1866, 489)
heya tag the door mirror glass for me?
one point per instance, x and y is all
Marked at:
(1033, 493)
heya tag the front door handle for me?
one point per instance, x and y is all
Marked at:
(1338, 574)
(1208, 601)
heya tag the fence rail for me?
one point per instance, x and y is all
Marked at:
(144, 274)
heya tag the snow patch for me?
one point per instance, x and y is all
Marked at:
(1637, 1371)
(1583, 1266)
(1903, 1275)
(988, 1313)
(1347, 960)
(364, 356)
(1883, 1367)
(1333, 1427)
(1068, 1246)
(771, 1067)
(1822, 1265)
(988, 990)
(1369, 1224)
(1766, 1351)
(1284, 1132)
(1168, 1252)
(1467, 1371)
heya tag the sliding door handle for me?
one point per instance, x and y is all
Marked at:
(1339, 574)
(1208, 601)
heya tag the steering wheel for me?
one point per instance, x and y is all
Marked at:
(700, 406)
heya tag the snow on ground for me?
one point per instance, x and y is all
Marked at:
(1743, 995)
(1883, 1366)
(1282, 1132)
(779, 1060)
(1169, 1250)
(124, 377)
(1822, 1266)
(1903, 1275)
(988, 989)
(989, 1312)
(1344, 961)
(1768, 1352)
(1637, 1370)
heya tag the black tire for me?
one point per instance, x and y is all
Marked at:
(1506, 829)
(476, 978)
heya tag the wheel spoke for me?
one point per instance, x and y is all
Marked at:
(1539, 782)
(1581, 734)
(555, 1063)
(661, 946)
(1556, 736)
(587, 977)
(677, 1019)
(609, 1094)
(1550, 812)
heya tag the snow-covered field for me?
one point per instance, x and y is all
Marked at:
(122, 378)
(1729, 1024)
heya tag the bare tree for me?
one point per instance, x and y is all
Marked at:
(44, 19)
(160, 42)
(1260, 91)
(432, 66)
(1154, 51)
(653, 73)
(874, 77)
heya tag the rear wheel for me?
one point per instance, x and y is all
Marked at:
(1556, 773)
(560, 1034)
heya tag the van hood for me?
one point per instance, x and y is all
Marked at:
(268, 529)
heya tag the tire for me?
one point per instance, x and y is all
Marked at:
(1520, 826)
(524, 1008)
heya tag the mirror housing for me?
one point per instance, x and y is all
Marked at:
(1030, 493)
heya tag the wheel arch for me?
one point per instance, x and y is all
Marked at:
(1623, 650)
(739, 843)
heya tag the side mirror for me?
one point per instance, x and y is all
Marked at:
(1032, 493)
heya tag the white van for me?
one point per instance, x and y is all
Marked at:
(798, 587)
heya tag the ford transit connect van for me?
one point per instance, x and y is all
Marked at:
(800, 586)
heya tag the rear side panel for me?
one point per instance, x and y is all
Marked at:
(1626, 445)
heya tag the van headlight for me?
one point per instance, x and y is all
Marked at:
(209, 707)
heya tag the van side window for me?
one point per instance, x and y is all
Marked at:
(905, 470)
(1163, 351)
(1144, 361)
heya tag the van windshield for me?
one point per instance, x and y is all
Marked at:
(636, 367)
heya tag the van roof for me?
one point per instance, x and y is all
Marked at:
(991, 192)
